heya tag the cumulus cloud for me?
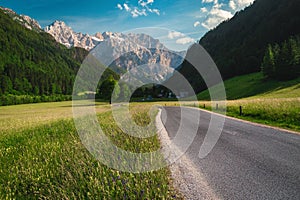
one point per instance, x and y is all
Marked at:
(175, 34)
(185, 40)
(126, 7)
(218, 12)
(197, 23)
(120, 6)
(156, 11)
(145, 3)
(136, 12)
(143, 8)
(236, 5)
(215, 17)
(232, 5)
(209, 1)
(203, 10)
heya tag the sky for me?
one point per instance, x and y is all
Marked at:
(177, 22)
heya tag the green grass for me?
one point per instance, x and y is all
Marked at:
(281, 112)
(255, 86)
(31, 115)
(264, 101)
(48, 160)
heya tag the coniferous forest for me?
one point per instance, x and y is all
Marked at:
(238, 45)
(34, 67)
(282, 61)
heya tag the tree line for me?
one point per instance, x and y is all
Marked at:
(282, 61)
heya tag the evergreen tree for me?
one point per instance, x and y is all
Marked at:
(268, 63)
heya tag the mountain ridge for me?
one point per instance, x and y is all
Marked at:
(238, 45)
(122, 52)
(24, 20)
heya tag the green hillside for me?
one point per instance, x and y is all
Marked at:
(33, 63)
(256, 86)
(238, 45)
(34, 67)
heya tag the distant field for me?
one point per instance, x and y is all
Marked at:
(255, 86)
(31, 115)
(42, 157)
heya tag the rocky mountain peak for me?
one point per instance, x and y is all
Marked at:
(24, 20)
(66, 36)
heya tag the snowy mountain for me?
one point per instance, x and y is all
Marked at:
(139, 54)
(122, 52)
(66, 36)
(24, 20)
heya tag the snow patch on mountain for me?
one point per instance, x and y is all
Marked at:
(24, 20)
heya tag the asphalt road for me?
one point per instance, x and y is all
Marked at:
(248, 161)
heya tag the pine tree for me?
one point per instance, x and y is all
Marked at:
(268, 63)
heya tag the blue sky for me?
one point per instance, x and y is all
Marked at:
(185, 20)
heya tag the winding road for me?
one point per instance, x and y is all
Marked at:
(249, 161)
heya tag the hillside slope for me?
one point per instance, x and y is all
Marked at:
(34, 63)
(255, 86)
(238, 45)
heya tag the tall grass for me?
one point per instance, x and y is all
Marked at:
(279, 112)
(50, 162)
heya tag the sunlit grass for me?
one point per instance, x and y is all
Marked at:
(31, 115)
(280, 112)
(48, 161)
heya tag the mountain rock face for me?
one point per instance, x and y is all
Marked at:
(122, 52)
(66, 36)
(24, 20)
(138, 55)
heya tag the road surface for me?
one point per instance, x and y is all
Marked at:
(248, 162)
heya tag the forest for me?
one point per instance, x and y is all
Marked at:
(34, 67)
(282, 61)
(238, 45)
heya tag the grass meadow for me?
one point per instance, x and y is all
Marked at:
(277, 112)
(42, 157)
(264, 101)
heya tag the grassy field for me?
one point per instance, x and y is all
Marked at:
(255, 86)
(277, 112)
(264, 101)
(42, 157)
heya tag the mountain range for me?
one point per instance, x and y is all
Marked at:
(122, 52)
(38, 61)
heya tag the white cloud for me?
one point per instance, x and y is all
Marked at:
(215, 17)
(218, 12)
(175, 34)
(209, 1)
(136, 12)
(120, 6)
(142, 9)
(197, 23)
(232, 5)
(236, 5)
(203, 10)
(185, 40)
(145, 3)
(127, 8)
(156, 11)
